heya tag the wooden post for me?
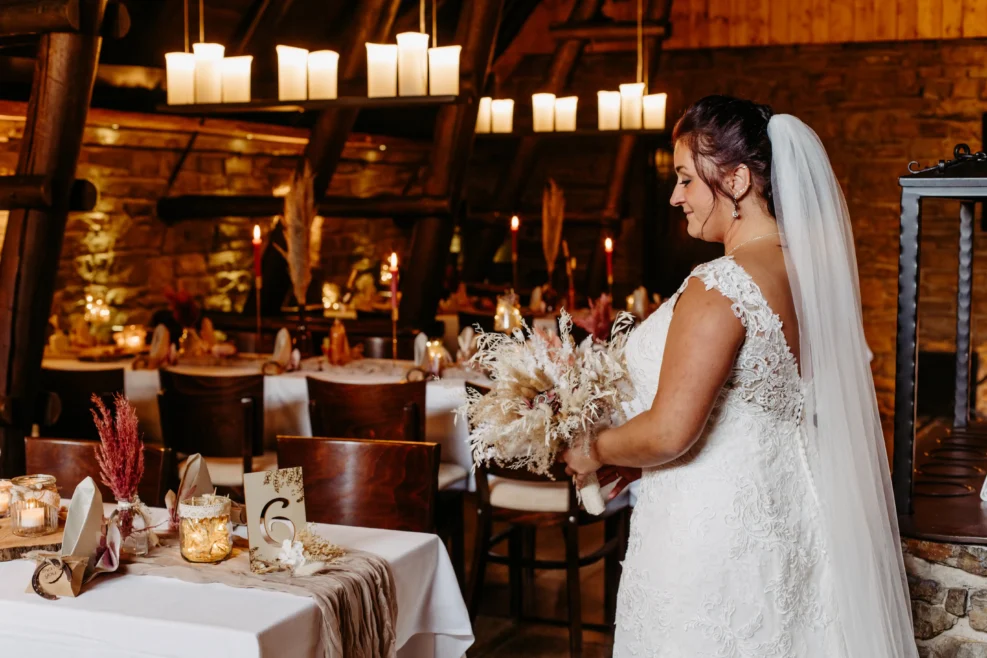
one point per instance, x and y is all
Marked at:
(56, 118)
(421, 286)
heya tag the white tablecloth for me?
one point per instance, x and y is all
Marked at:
(139, 616)
(286, 398)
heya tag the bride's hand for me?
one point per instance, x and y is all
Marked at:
(623, 474)
(579, 464)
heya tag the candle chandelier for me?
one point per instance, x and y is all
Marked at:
(408, 68)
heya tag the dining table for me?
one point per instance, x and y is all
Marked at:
(142, 616)
(286, 403)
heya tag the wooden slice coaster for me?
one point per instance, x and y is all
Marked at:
(13, 547)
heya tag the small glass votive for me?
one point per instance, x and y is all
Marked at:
(34, 503)
(205, 531)
(5, 487)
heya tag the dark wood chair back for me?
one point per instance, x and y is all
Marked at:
(68, 409)
(382, 347)
(71, 460)
(367, 411)
(373, 484)
(214, 416)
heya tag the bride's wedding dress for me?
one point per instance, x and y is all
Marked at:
(728, 553)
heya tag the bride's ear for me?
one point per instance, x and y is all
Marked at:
(739, 182)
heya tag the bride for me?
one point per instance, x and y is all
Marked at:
(765, 525)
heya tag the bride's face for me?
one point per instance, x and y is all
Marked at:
(707, 219)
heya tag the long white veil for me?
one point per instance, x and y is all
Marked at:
(843, 428)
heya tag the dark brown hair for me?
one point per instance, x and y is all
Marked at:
(724, 132)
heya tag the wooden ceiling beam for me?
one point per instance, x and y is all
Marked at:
(607, 31)
(35, 192)
(197, 206)
(39, 17)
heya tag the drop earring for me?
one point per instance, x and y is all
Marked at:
(736, 208)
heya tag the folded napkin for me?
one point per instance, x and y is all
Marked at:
(282, 348)
(62, 573)
(207, 333)
(421, 349)
(195, 482)
(467, 345)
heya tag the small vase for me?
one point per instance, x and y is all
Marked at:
(303, 337)
(133, 527)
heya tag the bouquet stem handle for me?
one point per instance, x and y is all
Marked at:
(591, 497)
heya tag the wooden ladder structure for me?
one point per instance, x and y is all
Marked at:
(43, 191)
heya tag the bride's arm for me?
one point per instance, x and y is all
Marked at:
(700, 350)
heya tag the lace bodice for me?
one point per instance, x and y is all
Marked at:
(726, 556)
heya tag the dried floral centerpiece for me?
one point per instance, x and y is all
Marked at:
(598, 320)
(120, 455)
(547, 395)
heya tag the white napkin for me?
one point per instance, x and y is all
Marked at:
(207, 332)
(640, 303)
(82, 525)
(466, 346)
(282, 348)
(160, 346)
(535, 303)
(421, 349)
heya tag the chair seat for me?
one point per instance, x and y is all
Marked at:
(452, 476)
(528, 496)
(228, 471)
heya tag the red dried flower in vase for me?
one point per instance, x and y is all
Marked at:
(183, 306)
(120, 452)
(599, 321)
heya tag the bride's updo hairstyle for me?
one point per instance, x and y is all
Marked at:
(724, 132)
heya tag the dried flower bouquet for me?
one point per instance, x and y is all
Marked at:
(548, 395)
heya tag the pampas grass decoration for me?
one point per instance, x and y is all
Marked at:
(552, 216)
(299, 214)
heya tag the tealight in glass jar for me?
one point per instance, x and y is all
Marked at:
(34, 505)
(205, 531)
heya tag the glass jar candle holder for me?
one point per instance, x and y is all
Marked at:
(205, 531)
(34, 504)
(5, 493)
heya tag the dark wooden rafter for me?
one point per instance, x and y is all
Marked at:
(56, 119)
(19, 17)
(421, 286)
(608, 30)
(24, 192)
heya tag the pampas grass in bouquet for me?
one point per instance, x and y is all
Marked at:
(547, 396)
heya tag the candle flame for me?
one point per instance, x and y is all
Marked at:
(608, 245)
(256, 233)
(515, 223)
(393, 261)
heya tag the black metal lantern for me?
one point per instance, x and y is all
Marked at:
(955, 469)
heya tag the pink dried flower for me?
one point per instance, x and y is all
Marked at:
(121, 451)
(599, 321)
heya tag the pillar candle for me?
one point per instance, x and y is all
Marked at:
(543, 112)
(515, 225)
(608, 247)
(382, 70)
(257, 243)
(483, 115)
(33, 517)
(608, 110)
(180, 78)
(502, 115)
(208, 72)
(443, 70)
(292, 73)
(236, 79)
(630, 105)
(323, 74)
(412, 64)
(654, 111)
(565, 113)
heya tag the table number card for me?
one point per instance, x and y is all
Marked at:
(275, 511)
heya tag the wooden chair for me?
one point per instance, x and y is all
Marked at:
(382, 347)
(68, 412)
(526, 502)
(367, 411)
(373, 484)
(220, 417)
(71, 460)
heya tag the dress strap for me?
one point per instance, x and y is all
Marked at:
(733, 282)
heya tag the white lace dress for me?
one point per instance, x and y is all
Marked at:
(726, 556)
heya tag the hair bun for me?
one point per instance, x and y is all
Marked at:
(765, 111)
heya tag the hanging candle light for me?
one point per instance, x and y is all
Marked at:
(180, 72)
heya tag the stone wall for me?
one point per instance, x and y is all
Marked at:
(948, 584)
(124, 253)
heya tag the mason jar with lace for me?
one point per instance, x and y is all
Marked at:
(205, 531)
(34, 503)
